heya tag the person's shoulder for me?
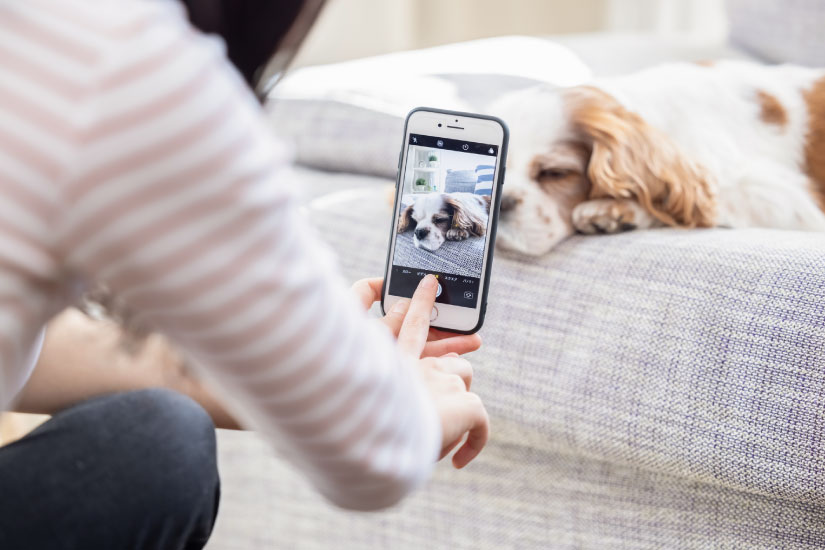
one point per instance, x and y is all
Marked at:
(107, 16)
(99, 25)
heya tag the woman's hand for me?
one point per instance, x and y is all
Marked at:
(446, 376)
(438, 343)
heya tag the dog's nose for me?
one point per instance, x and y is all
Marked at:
(509, 202)
(422, 232)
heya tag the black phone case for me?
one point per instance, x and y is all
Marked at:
(494, 208)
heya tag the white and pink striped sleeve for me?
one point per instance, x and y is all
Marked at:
(181, 206)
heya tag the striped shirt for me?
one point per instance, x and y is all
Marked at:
(131, 153)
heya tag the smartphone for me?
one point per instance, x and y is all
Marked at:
(450, 174)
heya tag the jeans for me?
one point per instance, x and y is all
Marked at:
(135, 470)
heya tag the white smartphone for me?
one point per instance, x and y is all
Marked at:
(450, 174)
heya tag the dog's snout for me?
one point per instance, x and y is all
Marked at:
(422, 232)
(509, 202)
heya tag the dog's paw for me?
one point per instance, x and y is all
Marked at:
(457, 234)
(610, 216)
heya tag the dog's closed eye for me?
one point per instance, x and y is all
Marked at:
(553, 174)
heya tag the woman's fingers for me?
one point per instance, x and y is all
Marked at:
(437, 334)
(395, 316)
(460, 344)
(462, 413)
(416, 326)
(453, 364)
(478, 434)
(439, 342)
(368, 291)
(447, 450)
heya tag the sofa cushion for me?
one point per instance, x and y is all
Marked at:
(655, 389)
(697, 353)
(780, 31)
(484, 175)
(460, 181)
(350, 116)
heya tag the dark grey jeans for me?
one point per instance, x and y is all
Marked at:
(135, 470)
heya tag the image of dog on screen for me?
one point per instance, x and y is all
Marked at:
(438, 217)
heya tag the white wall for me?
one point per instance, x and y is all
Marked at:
(355, 28)
(703, 19)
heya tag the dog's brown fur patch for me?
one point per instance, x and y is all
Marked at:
(464, 218)
(771, 111)
(559, 172)
(631, 159)
(815, 139)
(405, 219)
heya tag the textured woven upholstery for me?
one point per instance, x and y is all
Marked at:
(655, 389)
(780, 31)
(456, 257)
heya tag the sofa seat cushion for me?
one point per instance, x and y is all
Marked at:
(698, 354)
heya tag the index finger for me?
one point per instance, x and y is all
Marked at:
(368, 291)
(413, 334)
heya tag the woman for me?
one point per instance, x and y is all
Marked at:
(132, 155)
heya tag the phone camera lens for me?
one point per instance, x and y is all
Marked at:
(439, 125)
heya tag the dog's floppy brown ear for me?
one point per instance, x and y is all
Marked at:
(631, 159)
(487, 201)
(464, 217)
(405, 220)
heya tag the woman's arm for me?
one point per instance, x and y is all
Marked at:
(83, 358)
(179, 201)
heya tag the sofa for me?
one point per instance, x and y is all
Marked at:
(659, 389)
(656, 389)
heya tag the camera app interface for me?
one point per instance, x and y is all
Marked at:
(443, 217)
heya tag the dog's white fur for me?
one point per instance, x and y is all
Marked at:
(438, 217)
(679, 144)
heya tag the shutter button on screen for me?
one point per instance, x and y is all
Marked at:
(438, 292)
(434, 314)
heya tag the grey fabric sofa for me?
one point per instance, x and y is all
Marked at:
(652, 390)
(658, 389)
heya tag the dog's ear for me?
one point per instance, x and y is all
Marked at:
(631, 159)
(464, 217)
(405, 220)
(486, 199)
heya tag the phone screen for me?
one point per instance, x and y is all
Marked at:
(443, 220)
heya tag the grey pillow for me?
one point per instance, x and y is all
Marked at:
(337, 135)
(349, 116)
(460, 181)
(780, 31)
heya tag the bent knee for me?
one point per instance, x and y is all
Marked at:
(159, 443)
(176, 439)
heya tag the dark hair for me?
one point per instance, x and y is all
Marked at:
(252, 29)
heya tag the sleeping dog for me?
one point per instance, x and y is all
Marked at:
(439, 217)
(732, 144)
